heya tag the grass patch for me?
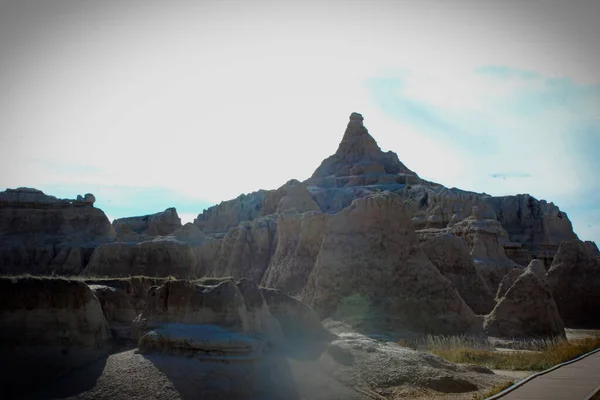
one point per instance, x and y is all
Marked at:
(555, 352)
(493, 390)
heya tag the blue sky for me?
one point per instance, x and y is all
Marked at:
(156, 104)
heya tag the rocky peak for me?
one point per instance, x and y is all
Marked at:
(360, 161)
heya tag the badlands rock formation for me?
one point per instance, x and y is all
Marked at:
(360, 162)
(159, 224)
(370, 270)
(537, 225)
(527, 309)
(41, 234)
(574, 277)
(485, 235)
(47, 328)
(224, 319)
(163, 256)
(450, 255)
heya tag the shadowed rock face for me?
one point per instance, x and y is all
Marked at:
(162, 223)
(359, 161)
(229, 320)
(450, 255)
(41, 234)
(47, 328)
(574, 277)
(537, 225)
(371, 270)
(527, 309)
(159, 258)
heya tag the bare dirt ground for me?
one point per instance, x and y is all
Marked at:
(127, 374)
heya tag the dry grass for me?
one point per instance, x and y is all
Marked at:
(206, 280)
(493, 390)
(554, 352)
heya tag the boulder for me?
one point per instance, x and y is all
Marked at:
(371, 271)
(450, 255)
(48, 327)
(527, 309)
(574, 277)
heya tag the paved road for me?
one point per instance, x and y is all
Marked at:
(576, 381)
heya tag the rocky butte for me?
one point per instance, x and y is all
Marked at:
(283, 291)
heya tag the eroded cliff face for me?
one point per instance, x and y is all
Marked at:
(574, 278)
(48, 327)
(159, 224)
(527, 308)
(371, 272)
(537, 225)
(41, 234)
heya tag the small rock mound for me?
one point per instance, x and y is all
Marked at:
(527, 309)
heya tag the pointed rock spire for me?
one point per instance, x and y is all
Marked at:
(359, 161)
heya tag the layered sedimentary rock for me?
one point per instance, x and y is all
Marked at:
(299, 238)
(574, 277)
(371, 270)
(47, 328)
(450, 255)
(160, 257)
(159, 224)
(225, 320)
(246, 249)
(527, 309)
(359, 161)
(537, 225)
(41, 234)
(485, 235)
(508, 280)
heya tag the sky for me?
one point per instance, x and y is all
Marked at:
(156, 104)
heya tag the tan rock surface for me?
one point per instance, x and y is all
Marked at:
(485, 237)
(359, 161)
(371, 270)
(450, 255)
(40, 234)
(47, 328)
(527, 309)
(536, 224)
(159, 258)
(159, 224)
(246, 250)
(574, 277)
(299, 238)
